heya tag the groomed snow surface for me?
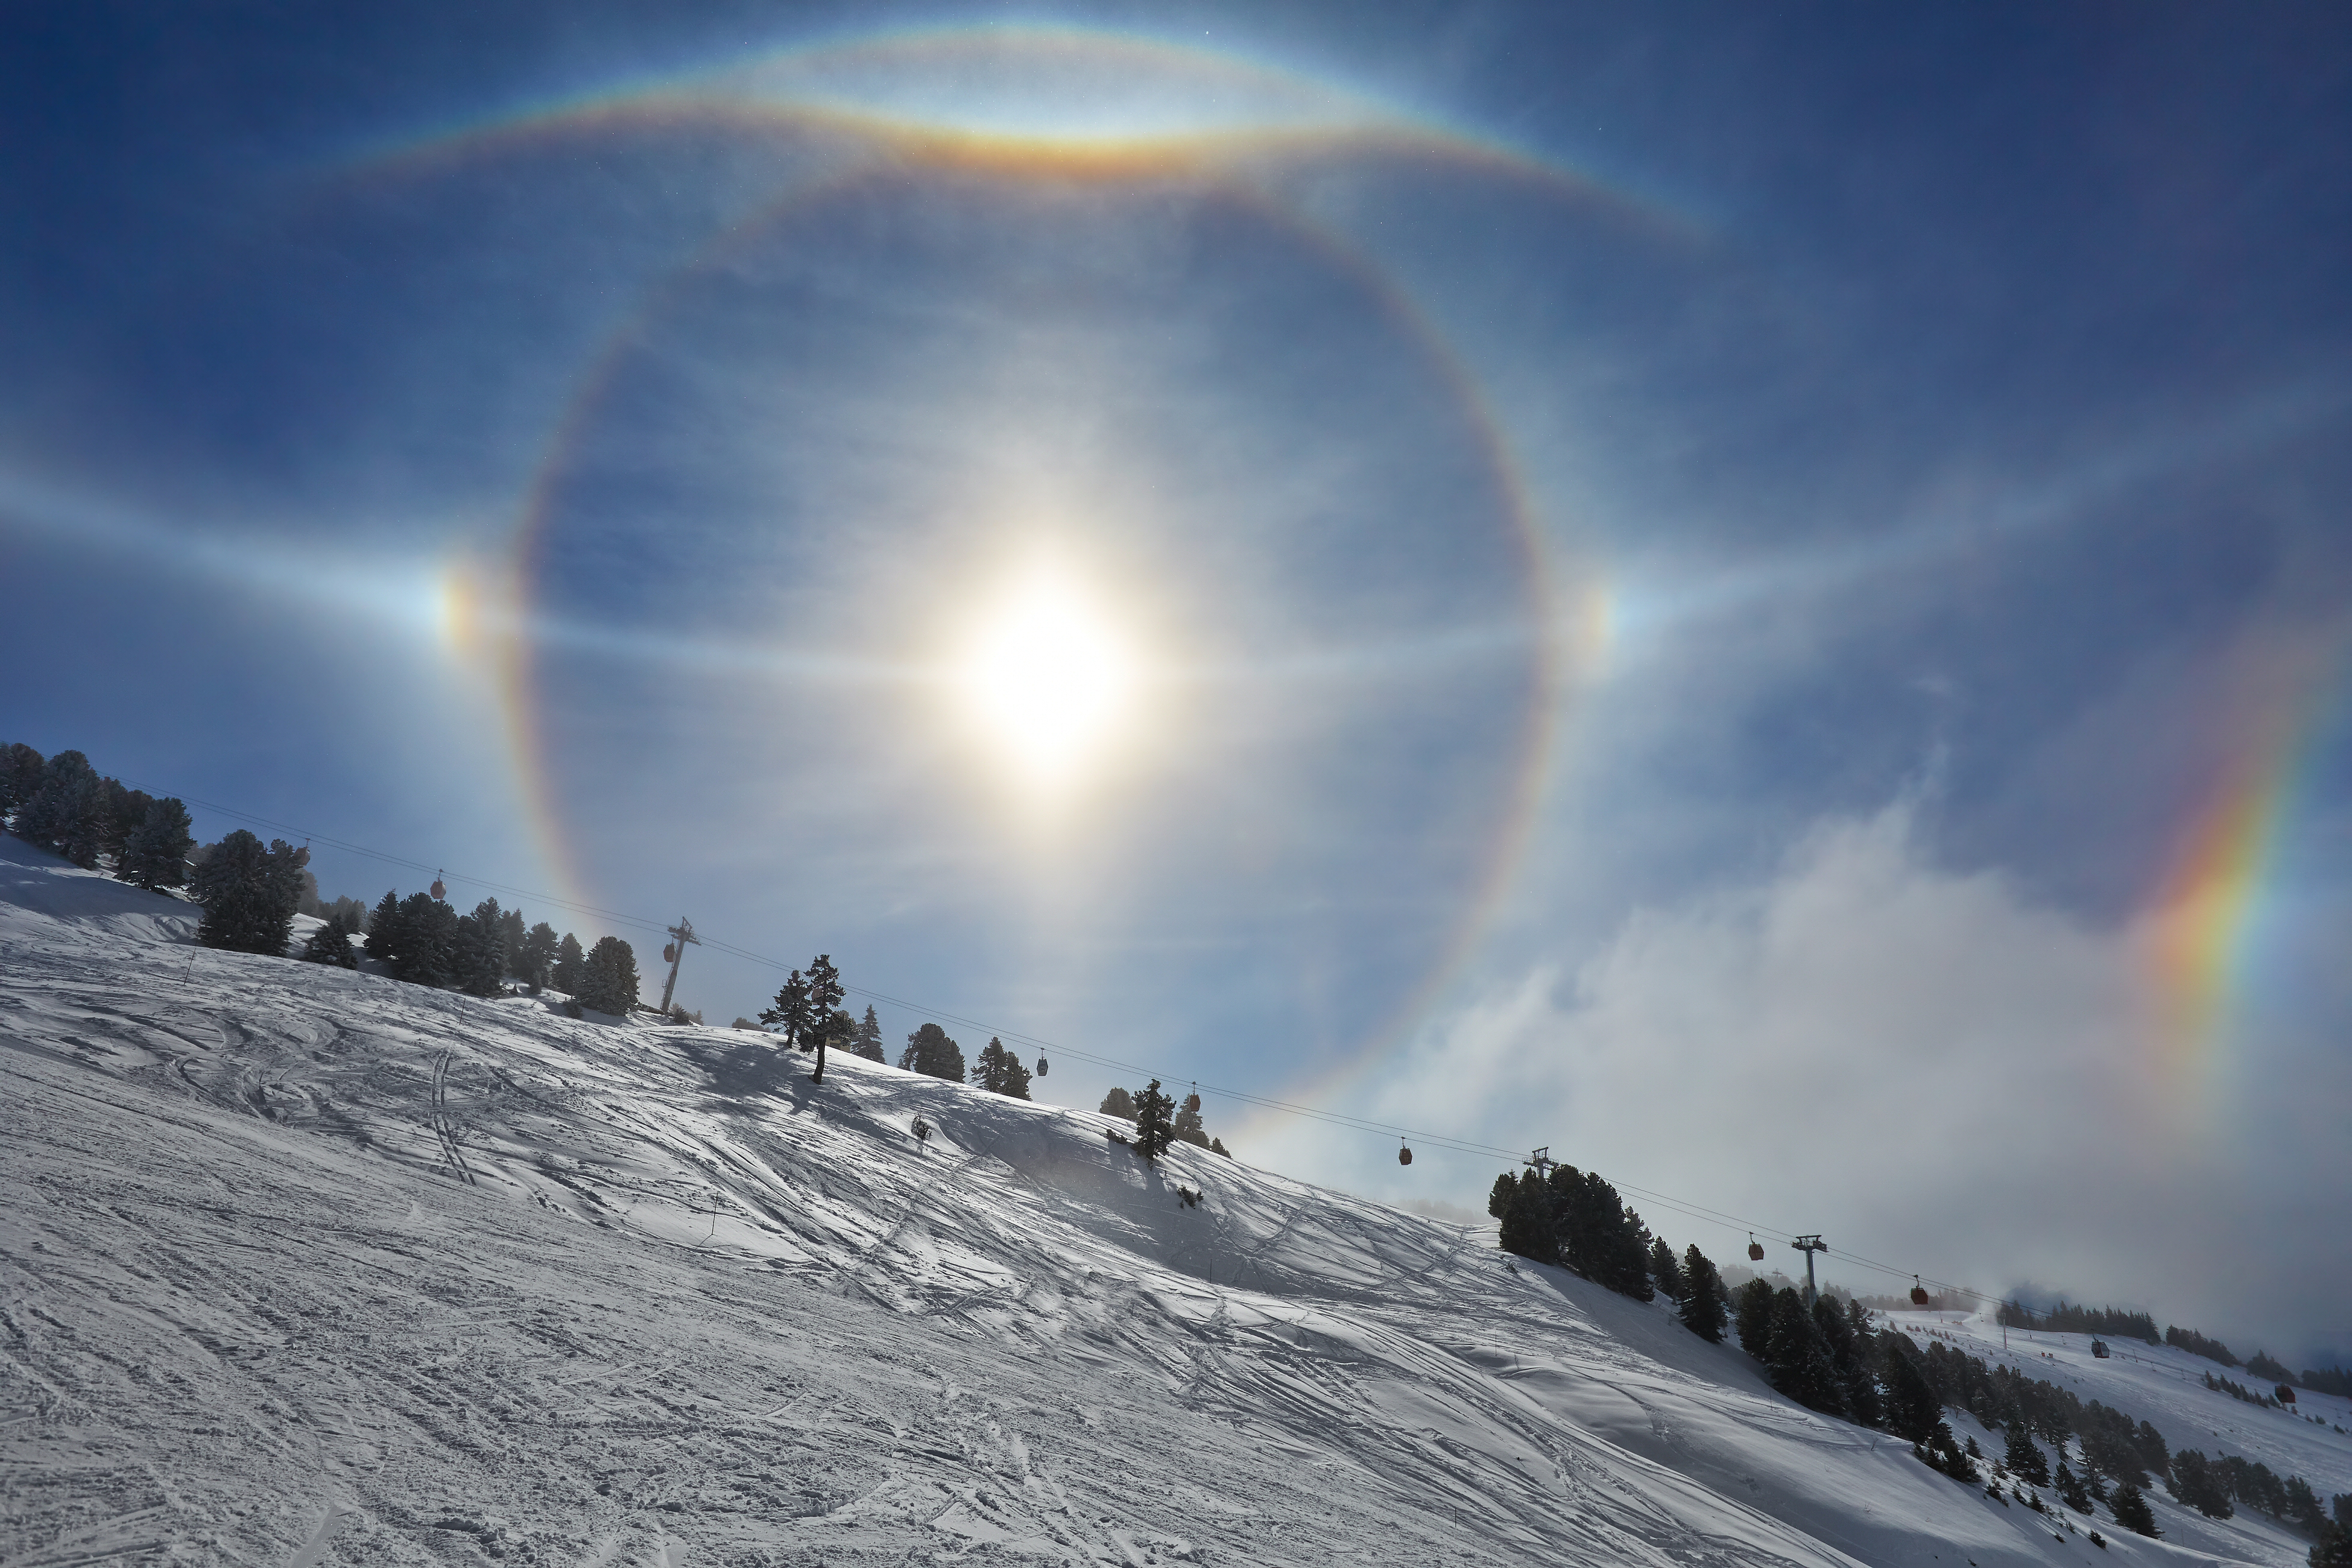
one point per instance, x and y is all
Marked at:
(308, 1267)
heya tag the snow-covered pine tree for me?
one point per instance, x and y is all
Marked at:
(536, 962)
(331, 943)
(155, 855)
(1701, 1298)
(868, 1041)
(1155, 1122)
(610, 984)
(570, 967)
(1119, 1103)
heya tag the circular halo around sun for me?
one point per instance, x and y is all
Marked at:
(1267, 692)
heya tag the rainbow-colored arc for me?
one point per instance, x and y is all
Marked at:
(962, 103)
(2209, 913)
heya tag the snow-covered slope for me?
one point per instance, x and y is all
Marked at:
(302, 1266)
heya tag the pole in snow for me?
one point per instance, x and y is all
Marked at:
(1808, 1244)
(680, 935)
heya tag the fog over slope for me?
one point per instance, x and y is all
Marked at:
(304, 1266)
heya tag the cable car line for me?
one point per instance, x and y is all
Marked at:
(1341, 1119)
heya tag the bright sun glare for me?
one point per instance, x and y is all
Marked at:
(1048, 680)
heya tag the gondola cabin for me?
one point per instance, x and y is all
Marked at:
(2099, 1348)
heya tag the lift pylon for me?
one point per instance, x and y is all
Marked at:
(1808, 1244)
(680, 935)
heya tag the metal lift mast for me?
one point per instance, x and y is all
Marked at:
(1808, 1244)
(680, 935)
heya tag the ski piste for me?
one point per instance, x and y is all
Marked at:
(308, 1265)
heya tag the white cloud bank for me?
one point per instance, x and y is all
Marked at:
(1926, 1066)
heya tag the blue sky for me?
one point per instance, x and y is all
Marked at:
(1680, 586)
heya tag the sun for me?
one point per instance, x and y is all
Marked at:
(1047, 679)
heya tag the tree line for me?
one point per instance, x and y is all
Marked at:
(248, 894)
(64, 806)
(2116, 1324)
(1827, 1355)
(2064, 1319)
(1161, 1122)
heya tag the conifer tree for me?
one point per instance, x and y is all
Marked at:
(478, 958)
(788, 1015)
(121, 811)
(1001, 1071)
(1217, 1146)
(1188, 1123)
(2132, 1512)
(427, 933)
(1913, 1410)
(571, 971)
(868, 1041)
(155, 855)
(331, 943)
(2022, 1458)
(1797, 1357)
(1119, 1103)
(610, 984)
(1666, 1271)
(1528, 1229)
(64, 816)
(512, 940)
(1702, 1299)
(537, 960)
(825, 995)
(1499, 1196)
(383, 927)
(930, 1052)
(1155, 1124)
(20, 777)
(1845, 1329)
(2071, 1489)
(1755, 1319)
(249, 894)
(2201, 1484)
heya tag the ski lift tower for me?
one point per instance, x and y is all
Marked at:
(1542, 1162)
(1808, 1244)
(680, 935)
